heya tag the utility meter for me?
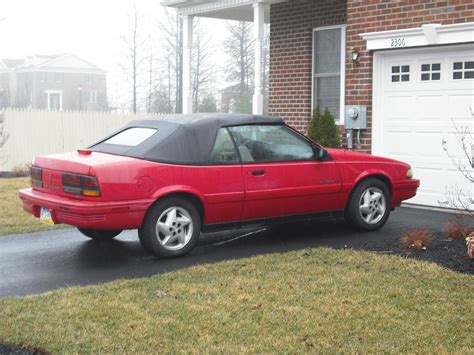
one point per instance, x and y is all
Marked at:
(353, 113)
(356, 117)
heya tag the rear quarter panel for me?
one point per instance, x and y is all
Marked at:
(219, 189)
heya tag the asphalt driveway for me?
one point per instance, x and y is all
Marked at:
(39, 262)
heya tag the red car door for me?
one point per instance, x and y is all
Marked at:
(285, 189)
(222, 181)
(282, 176)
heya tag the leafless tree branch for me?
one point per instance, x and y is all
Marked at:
(458, 197)
(133, 58)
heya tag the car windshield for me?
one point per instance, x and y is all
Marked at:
(131, 137)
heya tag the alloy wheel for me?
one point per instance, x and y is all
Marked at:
(174, 228)
(372, 205)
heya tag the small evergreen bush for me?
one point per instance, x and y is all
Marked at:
(322, 129)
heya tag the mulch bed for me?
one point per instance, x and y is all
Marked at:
(449, 253)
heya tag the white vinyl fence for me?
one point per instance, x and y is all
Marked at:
(25, 134)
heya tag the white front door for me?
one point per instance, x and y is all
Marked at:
(418, 93)
(54, 99)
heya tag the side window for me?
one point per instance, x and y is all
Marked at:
(270, 143)
(328, 83)
(224, 151)
(131, 137)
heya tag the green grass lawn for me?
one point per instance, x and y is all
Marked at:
(13, 219)
(318, 300)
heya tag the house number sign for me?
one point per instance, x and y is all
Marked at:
(425, 35)
(397, 42)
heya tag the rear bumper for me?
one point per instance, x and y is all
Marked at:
(404, 190)
(86, 214)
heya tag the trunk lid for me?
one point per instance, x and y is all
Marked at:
(77, 162)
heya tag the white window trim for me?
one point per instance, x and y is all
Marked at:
(343, 70)
(48, 99)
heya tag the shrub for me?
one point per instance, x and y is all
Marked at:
(416, 239)
(322, 129)
(20, 171)
(457, 228)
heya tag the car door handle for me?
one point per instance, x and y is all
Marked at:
(258, 172)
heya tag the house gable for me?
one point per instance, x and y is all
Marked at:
(68, 63)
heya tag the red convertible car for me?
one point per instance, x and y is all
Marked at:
(177, 176)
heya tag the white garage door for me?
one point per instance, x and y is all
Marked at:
(417, 94)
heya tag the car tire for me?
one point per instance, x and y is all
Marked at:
(171, 228)
(369, 205)
(99, 234)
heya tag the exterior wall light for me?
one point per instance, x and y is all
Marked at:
(353, 55)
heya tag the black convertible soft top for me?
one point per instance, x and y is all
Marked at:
(181, 139)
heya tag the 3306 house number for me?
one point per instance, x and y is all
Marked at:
(397, 42)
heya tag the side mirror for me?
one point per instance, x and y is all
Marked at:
(322, 154)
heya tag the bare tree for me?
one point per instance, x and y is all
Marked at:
(172, 32)
(151, 86)
(162, 88)
(201, 62)
(169, 66)
(239, 47)
(457, 197)
(134, 57)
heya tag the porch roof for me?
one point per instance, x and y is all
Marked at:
(239, 10)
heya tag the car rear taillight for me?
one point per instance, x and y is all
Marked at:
(80, 184)
(36, 176)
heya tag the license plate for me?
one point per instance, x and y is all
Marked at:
(45, 216)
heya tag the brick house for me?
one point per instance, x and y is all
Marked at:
(406, 66)
(52, 82)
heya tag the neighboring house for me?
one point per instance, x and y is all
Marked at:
(52, 82)
(409, 64)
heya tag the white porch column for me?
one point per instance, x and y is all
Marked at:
(187, 52)
(258, 23)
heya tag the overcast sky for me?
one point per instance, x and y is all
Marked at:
(91, 29)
